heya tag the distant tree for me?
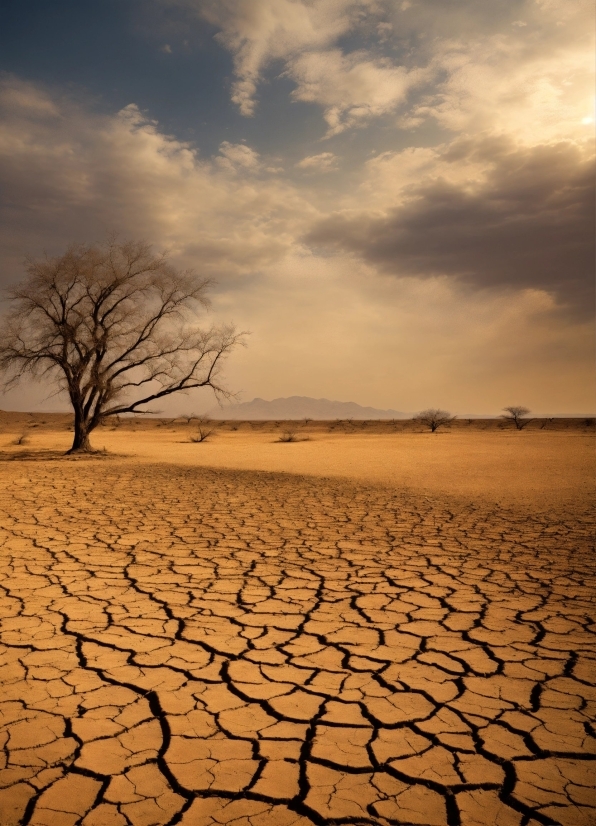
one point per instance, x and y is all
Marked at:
(115, 327)
(517, 414)
(433, 418)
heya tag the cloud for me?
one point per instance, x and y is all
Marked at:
(352, 89)
(493, 84)
(534, 81)
(235, 156)
(518, 66)
(67, 173)
(258, 32)
(506, 216)
(323, 162)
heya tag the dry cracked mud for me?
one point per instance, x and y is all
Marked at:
(206, 647)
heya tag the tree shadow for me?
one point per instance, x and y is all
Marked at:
(54, 455)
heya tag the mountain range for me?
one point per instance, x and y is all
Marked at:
(302, 407)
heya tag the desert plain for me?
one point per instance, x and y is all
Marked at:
(369, 625)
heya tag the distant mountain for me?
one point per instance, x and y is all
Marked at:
(302, 407)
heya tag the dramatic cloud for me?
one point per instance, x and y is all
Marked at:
(67, 174)
(524, 65)
(527, 221)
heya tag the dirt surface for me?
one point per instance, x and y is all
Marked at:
(537, 468)
(207, 646)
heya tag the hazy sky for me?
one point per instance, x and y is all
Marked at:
(396, 198)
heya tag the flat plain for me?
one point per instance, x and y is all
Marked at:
(370, 626)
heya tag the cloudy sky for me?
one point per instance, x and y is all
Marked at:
(395, 198)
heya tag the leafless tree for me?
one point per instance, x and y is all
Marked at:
(516, 414)
(115, 327)
(433, 418)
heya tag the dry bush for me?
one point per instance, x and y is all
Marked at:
(202, 434)
(205, 429)
(23, 439)
(290, 435)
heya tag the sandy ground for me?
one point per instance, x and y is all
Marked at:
(531, 468)
(410, 642)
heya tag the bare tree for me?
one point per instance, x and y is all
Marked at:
(115, 327)
(516, 414)
(433, 418)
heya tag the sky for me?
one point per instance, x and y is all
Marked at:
(395, 197)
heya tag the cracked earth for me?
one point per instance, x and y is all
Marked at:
(204, 647)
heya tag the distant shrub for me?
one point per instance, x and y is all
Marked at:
(290, 435)
(205, 429)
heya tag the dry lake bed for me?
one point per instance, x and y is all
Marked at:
(373, 626)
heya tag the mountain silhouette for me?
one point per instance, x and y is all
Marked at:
(301, 407)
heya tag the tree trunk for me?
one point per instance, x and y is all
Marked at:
(81, 443)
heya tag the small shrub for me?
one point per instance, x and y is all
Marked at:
(21, 440)
(290, 435)
(205, 429)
